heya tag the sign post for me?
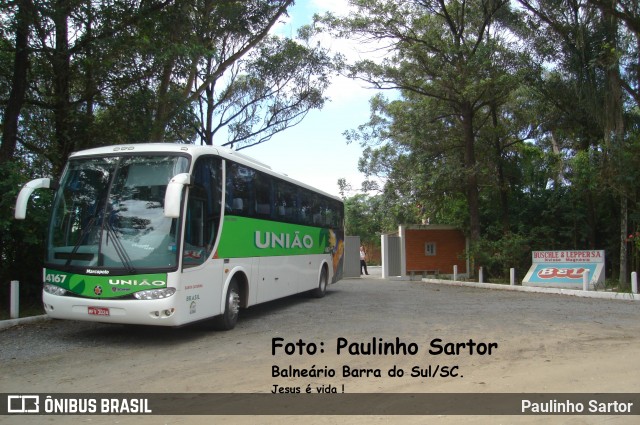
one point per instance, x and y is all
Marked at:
(14, 305)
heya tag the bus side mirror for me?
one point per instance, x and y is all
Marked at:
(25, 194)
(173, 195)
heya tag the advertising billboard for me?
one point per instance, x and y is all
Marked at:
(565, 269)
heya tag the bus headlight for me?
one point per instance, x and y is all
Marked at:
(54, 290)
(155, 294)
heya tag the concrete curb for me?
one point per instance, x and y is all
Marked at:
(5, 324)
(625, 296)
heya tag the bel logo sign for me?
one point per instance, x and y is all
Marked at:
(565, 269)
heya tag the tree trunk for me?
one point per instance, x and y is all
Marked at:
(208, 131)
(502, 183)
(623, 239)
(614, 129)
(18, 82)
(61, 70)
(473, 197)
(90, 88)
(162, 109)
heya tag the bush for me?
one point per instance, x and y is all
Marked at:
(21, 241)
(496, 257)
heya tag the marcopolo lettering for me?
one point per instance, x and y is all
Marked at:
(283, 240)
(94, 271)
(135, 282)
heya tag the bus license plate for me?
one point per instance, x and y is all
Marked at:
(99, 311)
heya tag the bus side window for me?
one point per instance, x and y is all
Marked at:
(286, 202)
(262, 185)
(306, 216)
(240, 188)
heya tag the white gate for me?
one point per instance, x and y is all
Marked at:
(351, 266)
(391, 255)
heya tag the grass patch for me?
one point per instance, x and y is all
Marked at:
(26, 310)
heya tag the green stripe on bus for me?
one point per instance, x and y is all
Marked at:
(104, 286)
(249, 237)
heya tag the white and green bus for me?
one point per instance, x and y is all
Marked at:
(169, 234)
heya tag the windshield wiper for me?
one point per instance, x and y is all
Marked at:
(119, 248)
(73, 255)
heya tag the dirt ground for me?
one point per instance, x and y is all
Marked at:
(544, 344)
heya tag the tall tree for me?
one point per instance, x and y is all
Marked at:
(219, 67)
(136, 71)
(66, 45)
(272, 89)
(449, 53)
(79, 73)
(588, 59)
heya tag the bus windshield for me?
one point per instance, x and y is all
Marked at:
(108, 213)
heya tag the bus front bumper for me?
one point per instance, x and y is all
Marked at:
(160, 312)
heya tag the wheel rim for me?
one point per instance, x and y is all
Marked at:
(234, 302)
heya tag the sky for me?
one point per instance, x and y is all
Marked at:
(315, 151)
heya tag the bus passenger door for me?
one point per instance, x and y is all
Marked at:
(202, 282)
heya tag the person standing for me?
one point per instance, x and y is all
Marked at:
(363, 261)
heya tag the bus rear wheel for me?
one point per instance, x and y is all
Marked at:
(228, 319)
(321, 290)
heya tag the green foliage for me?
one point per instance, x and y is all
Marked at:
(533, 108)
(496, 257)
(520, 125)
(157, 71)
(21, 241)
(128, 71)
(283, 79)
(370, 216)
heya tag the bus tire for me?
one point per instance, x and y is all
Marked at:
(228, 319)
(323, 282)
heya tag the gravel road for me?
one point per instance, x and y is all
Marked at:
(543, 343)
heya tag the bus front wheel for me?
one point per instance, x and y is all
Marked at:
(229, 317)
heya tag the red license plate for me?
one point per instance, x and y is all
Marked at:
(99, 311)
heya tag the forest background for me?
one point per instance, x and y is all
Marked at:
(515, 120)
